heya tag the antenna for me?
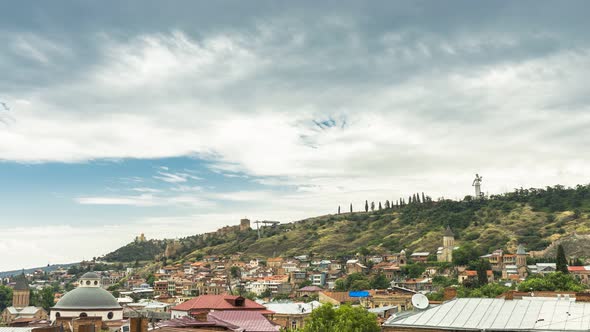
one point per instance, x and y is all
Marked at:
(420, 301)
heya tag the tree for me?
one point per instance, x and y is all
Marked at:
(380, 206)
(561, 263)
(350, 207)
(359, 285)
(366, 206)
(345, 318)
(150, 280)
(482, 272)
(464, 254)
(5, 297)
(556, 281)
(338, 209)
(387, 205)
(372, 206)
(235, 272)
(46, 296)
(423, 198)
(379, 281)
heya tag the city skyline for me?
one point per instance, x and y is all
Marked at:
(178, 120)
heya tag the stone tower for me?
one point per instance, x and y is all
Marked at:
(21, 292)
(521, 261)
(244, 225)
(445, 253)
(520, 256)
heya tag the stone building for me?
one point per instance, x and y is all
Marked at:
(445, 253)
(21, 312)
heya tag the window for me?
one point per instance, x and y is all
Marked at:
(293, 324)
(110, 315)
(87, 282)
(57, 315)
(95, 282)
(83, 315)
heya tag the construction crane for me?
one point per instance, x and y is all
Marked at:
(264, 223)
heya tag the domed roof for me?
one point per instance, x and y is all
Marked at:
(87, 298)
(90, 275)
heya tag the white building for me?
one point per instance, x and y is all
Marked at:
(88, 300)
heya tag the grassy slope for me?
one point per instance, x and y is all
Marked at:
(502, 222)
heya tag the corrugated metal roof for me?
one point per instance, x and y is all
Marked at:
(16, 329)
(292, 308)
(475, 314)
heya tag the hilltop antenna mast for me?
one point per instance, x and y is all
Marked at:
(264, 223)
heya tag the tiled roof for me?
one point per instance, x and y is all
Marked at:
(248, 320)
(217, 302)
(311, 289)
(578, 268)
(341, 297)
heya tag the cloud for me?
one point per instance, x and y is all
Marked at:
(315, 107)
(145, 200)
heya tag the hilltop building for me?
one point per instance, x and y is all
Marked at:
(20, 312)
(88, 300)
(445, 253)
(140, 238)
(244, 225)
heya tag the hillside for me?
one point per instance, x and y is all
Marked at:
(535, 217)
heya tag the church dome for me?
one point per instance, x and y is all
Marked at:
(90, 275)
(85, 298)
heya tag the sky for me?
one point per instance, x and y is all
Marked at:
(177, 118)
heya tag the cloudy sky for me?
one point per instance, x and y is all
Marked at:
(121, 117)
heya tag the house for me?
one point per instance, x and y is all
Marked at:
(542, 268)
(291, 315)
(420, 257)
(275, 262)
(353, 266)
(336, 298)
(471, 275)
(207, 303)
(416, 284)
(234, 321)
(581, 273)
(308, 291)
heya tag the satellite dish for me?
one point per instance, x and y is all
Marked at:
(420, 301)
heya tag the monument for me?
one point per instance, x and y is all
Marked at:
(477, 184)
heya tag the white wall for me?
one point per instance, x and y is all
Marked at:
(117, 314)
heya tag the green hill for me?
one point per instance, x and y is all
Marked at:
(534, 217)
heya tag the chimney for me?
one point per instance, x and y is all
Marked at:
(583, 297)
(509, 295)
(138, 324)
(450, 293)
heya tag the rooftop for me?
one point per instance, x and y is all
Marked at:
(477, 314)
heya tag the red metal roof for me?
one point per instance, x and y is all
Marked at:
(576, 268)
(250, 321)
(217, 302)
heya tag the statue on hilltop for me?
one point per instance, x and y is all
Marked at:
(477, 184)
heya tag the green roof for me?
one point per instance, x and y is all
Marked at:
(87, 298)
(21, 283)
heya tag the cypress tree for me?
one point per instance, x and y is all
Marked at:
(366, 206)
(561, 263)
(338, 209)
(350, 207)
(423, 198)
(482, 272)
(379, 205)
(372, 206)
